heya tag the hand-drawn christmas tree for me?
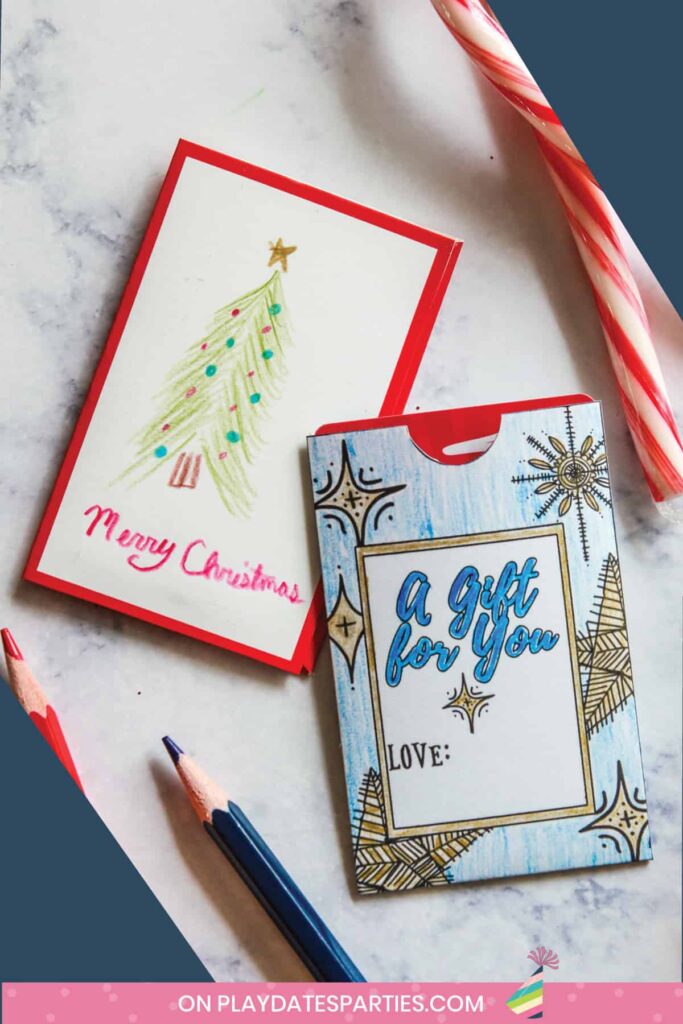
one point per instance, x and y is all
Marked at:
(215, 400)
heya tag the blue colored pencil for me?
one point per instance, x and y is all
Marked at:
(258, 866)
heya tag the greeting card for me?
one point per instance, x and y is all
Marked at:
(476, 615)
(257, 306)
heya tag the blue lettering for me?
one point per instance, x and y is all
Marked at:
(521, 603)
(511, 592)
(462, 599)
(487, 649)
(394, 666)
(520, 640)
(408, 604)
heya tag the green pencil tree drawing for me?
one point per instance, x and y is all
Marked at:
(215, 401)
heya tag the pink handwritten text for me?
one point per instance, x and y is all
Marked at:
(195, 563)
(150, 553)
(144, 544)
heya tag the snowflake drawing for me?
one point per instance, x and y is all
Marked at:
(574, 477)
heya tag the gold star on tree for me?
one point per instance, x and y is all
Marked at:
(467, 704)
(626, 815)
(279, 253)
(352, 497)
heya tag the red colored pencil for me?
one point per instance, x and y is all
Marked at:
(35, 704)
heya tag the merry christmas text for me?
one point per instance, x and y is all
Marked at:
(481, 608)
(147, 553)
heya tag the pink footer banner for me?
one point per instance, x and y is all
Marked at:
(127, 1003)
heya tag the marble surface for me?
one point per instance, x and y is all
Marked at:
(385, 110)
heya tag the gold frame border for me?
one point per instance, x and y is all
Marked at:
(369, 550)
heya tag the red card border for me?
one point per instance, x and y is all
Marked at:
(432, 430)
(447, 251)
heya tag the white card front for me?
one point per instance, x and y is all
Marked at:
(474, 680)
(260, 314)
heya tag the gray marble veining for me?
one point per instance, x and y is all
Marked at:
(385, 110)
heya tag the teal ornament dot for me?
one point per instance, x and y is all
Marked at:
(230, 342)
(210, 370)
(232, 436)
(255, 398)
(275, 309)
(161, 451)
(267, 353)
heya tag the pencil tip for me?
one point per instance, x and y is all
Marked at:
(10, 645)
(174, 751)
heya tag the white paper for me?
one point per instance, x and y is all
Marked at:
(351, 290)
(522, 752)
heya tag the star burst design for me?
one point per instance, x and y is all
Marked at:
(345, 627)
(626, 815)
(468, 704)
(572, 476)
(354, 497)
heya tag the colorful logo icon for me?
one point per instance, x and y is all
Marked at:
(528, 999)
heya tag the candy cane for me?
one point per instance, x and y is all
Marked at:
(594, 227)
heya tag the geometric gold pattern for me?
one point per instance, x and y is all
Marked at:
(345, 626)
(603, 652)
(389, 865)
(626, 815)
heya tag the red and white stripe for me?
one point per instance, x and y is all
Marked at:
(594, 227)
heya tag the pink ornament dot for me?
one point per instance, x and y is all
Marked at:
(222, 455)
(414, 988)
(266, 329)
(580, 985)
(132, 1018)
(235, 312)
(678, 992)
(571, 997)
(106, 987)
(113, 997)
(618, 992)
(65, 992)
(658, 1018)
(49, 1017)
(172, 1006)
(490, 1000)
(190, 392)
(11, 992)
